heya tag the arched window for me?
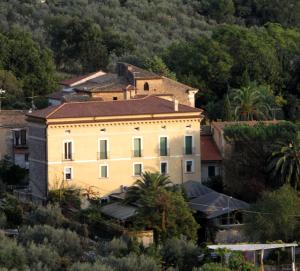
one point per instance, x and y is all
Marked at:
(146, 87)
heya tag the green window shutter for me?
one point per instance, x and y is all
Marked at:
(103, 149)
(137, 147)
(188, 145)
(103, 171)
(163, 146)
(137, 169)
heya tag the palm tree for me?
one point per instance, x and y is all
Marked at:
(251, 102)
(285, 164)
(148, 182)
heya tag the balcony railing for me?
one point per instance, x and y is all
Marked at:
(68, 157)
(103, 155)
(189, 151)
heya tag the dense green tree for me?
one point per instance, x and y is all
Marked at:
(204, 64)
(275, 216)
(180, 254)
(285, 164)
(263, 11)
(252, 102)
(157, 65)
(247, 161)
(150, 182)
(161, 209)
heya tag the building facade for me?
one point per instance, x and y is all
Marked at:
(106, 146)
(129, 82)
(13, 137)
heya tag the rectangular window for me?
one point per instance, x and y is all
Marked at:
(164, 168)
(68, 150)
(138, 169)
(137, 147)
(211, 171)
(68, 173)
(189, 166)
(188, 145)
(103, 149)
(163, 146)
(103, 171)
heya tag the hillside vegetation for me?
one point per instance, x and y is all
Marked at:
(213, 45)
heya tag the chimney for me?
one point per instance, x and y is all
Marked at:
(176, 103)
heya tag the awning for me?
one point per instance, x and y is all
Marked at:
(119, 211)
(251, 247)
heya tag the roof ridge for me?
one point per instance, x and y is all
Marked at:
(177, 82)
(55, 110)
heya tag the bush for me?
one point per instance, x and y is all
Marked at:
(212, 267)
(66, 242)
(69, 199)
(116, 247)
(90, 267)
(42, 257)
(3, 220)
(237, 262)
(13, 211)
(131, 262)
(51, 215)
(180, 253)
(12, 255)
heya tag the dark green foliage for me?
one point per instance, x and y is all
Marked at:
(11, 174)
(180, 254)
(275, 216)
(212, 267)
(131, 262)
(68, 199)
(66, 242)
(12, 256)
(161, 208)
(50, 215)
(13, 211)
(237, 262)
(247, 162)
(284, 164)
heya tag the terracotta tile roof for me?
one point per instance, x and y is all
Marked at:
(209, 150)
(147, 105)
(140, 73)
(74, 80)
(220, 125)
(12, 119)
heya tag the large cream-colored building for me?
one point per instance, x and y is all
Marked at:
(106, 145)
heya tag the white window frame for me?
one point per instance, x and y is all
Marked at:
(168, 144)
(73, 148)
(142, 144)
(193, 142)
(72, 173)
(107, 146)
(193, 166)
(107, 171)
(142, 169)
(166, 162)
